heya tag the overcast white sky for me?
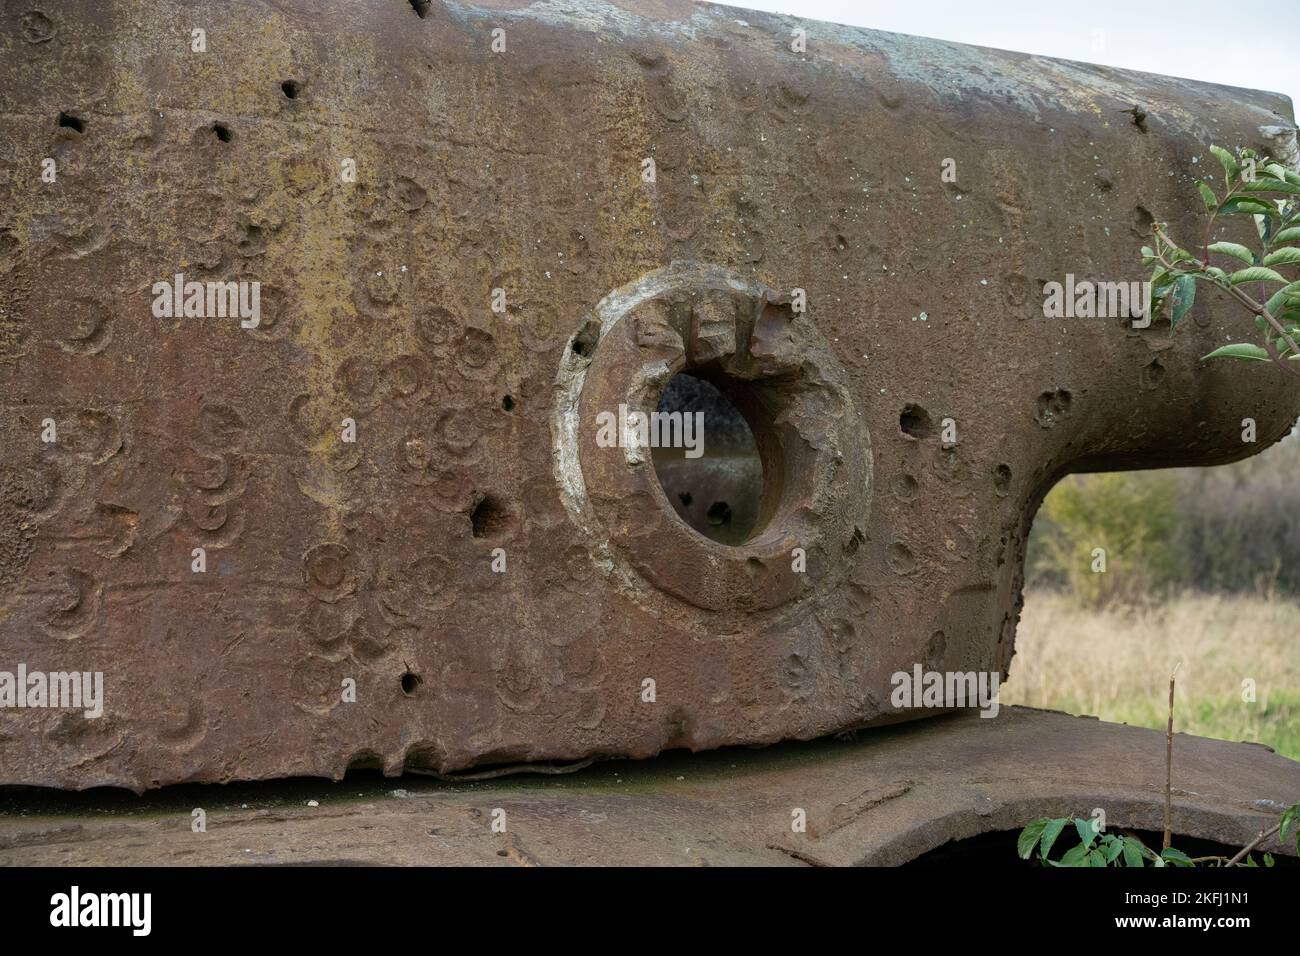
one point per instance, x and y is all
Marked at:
(1200, 39)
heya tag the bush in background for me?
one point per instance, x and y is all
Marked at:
(1230, 529)
(1123, 522)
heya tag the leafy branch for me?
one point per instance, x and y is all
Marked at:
(1124, 849)
(1266, 191)
(1094, 847)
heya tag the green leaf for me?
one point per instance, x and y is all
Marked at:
(1095, 858)
(1251, 205)
(1230, 168)
(1268, 859)
(1239, 350)
(1215, 273)
(1211, 201)
(1176, 857)
(1270, 186)
(1287, 255)
(1050, 833)
(1133, 851)
(1256, 274)
(1282, 348)
(1087, 831)
(1289, 234)
(1283, 298)
(1264, 226)
(1184, 297)
(1075, 856)
(1291, 818)
(1235, 250)
(1029, 837)
(1113, 848)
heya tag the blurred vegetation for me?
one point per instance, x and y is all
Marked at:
(1202, 569)
(1114, 662)
(1230, 529)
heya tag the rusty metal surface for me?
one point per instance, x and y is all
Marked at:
(884, 798)
(371, 561)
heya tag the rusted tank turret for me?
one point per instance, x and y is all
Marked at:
(311, 317)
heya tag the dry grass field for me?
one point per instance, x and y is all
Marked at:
(1114, 663)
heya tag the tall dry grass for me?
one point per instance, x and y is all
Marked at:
(1114, 663)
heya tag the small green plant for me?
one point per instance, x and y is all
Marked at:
(1262, 189)
(1094, 848)
(1124, 849)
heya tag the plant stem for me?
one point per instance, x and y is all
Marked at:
(1169, 760)
(1263, 835)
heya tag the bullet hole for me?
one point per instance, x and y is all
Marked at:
(475, 350)
(410, 681)
(421, 8)
(290, 89)
(855, 541)
(685, 498)
(935, 650)
(491, 518)
(1139, 117)
(1051, 407)
(1002, 480)
(74, 123)
(1153, 374)
(409, 193)
(251, 242)
(915, 421)
(36, 27)
(584, 343)
(719, 513)
(904, 487)
(508, 403)
(499, 852)
(1143, 221)
(900, 558)
(222, 132)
